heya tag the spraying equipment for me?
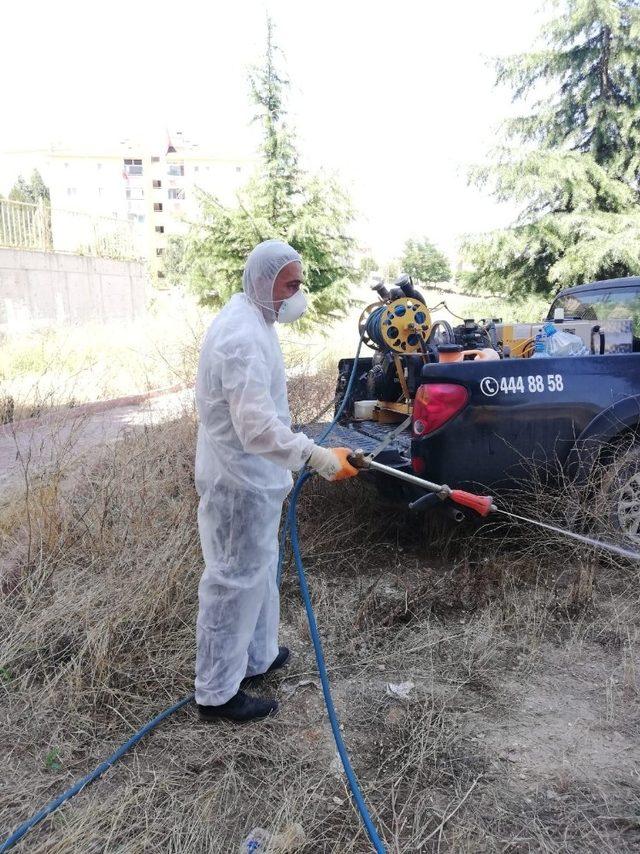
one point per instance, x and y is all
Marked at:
(404, 338)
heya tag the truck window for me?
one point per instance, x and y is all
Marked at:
(601, 305)
(625, 304)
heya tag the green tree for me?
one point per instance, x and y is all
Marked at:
(572, 162)
(174, 266)
(425, 262)
(35, 223)
(391, 271)
(367, 266)
(30, 192)
(21, 191)
(39, 189)
(280, 201)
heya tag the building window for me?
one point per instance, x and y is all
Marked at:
(98, 165)
(156, 184)
(71, 191)
(176, 194)
(238, 168)
(100, 191)
(196, 168)
(135, 217)
(133, 167)
(160, 274)
(155, 160)
(160, 229)
(135, 193)
(157, 206)
(176, 169)
(159, 250)
(66, 165)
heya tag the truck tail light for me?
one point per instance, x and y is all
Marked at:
(435, 404)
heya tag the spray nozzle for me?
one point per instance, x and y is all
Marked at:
(482, 504)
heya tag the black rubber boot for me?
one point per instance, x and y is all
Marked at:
(241, 708)
(280, 660)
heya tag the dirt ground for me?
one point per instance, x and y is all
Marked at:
(517, 731)
(27, 444)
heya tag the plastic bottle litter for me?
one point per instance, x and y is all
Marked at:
(539, 347)
(287, 841)
(560, 343)
(256, 841)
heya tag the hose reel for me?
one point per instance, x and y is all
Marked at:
(398, 325)
(401, 326)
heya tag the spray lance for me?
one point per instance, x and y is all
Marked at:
(483, 505)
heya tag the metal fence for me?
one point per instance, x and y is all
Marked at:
(39, 226)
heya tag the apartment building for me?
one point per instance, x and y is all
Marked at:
(154, 189)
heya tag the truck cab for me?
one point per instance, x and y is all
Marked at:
(601, 302)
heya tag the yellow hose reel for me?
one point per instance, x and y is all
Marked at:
(400, 325)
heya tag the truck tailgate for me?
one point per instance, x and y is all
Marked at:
(367, 435)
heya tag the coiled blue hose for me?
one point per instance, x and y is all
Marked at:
(291, 526)
(372, 326)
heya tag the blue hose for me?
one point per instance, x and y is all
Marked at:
(94, 775)
(290, 525)
(285, 528)
(377, 843)
(373, 325)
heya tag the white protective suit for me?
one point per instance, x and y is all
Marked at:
(245, 454)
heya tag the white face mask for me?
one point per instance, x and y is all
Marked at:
(292, 308)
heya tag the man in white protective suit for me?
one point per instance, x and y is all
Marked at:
(245, 455)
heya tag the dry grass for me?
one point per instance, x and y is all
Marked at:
(520, 733)
(547, 492)
(62, 367)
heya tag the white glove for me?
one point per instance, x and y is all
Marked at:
(332, 463)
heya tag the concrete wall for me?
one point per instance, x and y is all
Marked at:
(49, 288)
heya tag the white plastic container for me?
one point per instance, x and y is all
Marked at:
(561, 343)
(363, 409)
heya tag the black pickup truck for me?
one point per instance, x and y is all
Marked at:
(488, 424)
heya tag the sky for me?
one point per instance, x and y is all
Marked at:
(395, 98)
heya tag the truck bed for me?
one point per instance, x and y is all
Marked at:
(366, 435)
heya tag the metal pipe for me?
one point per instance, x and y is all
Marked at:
(409, 478)
(359, 460)
(481, 504)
